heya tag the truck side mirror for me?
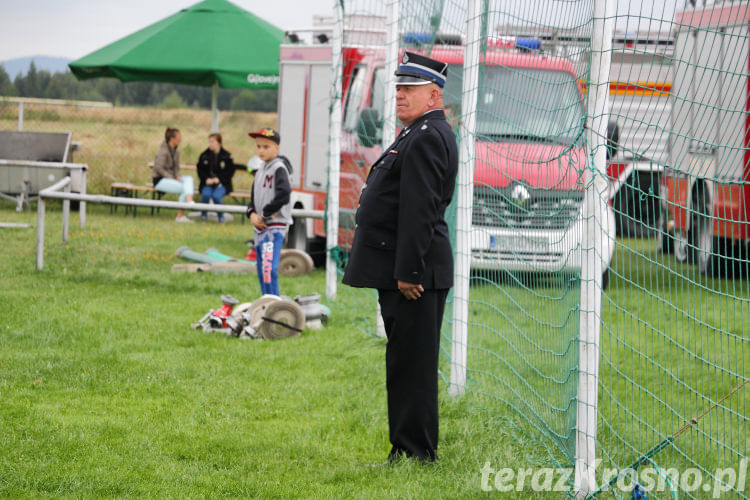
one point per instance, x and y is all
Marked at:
(613, 139)
(369, 127)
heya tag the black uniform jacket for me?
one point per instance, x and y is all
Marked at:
(221, 166)
(401, 233)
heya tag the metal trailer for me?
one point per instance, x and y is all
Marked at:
(32, 161)
(305, 82)
(706, 193)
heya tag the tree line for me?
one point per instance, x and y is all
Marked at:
(43, 84)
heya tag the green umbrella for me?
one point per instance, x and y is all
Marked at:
(213, 43)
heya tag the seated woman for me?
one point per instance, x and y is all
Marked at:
(215, 171)
(166, 173)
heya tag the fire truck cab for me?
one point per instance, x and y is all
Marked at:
(530, 160)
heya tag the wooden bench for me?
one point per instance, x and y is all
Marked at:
(128, 190)
(241, 197)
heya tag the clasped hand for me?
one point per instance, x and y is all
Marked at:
(412, 291)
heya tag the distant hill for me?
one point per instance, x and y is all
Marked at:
(21, 65)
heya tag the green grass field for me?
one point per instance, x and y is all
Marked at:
(106, 391)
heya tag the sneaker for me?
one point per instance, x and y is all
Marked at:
(204, 218)
(182, 218)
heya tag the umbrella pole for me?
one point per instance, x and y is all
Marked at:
(215, 108)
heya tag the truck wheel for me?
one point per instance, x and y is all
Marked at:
(627, 225)
(680, 248)
(317, 250)
(315, 247)
(729, 259)
(637, 206)
(666, 240)
(297, 236)
(743, 260)
(700, 235)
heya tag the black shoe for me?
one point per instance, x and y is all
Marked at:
(398, 455)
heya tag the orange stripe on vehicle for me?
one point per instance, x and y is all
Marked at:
(635, 88)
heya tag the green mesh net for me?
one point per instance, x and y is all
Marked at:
(668, 205)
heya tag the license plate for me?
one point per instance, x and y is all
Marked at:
(519, 244)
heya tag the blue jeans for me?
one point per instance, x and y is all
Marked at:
(268, 249)
(216, 193)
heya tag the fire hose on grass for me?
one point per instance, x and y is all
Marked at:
(293, 262)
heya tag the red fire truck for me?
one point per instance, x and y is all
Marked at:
(706, 192)
(530, 149)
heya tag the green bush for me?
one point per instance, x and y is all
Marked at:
(255, 100)
(172, 101)
(243, 101)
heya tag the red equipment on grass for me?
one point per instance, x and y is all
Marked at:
(216, 319)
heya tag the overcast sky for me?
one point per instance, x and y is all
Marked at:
(74, 28)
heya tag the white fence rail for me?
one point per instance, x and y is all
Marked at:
(54, 192)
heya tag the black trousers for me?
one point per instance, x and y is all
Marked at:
(411, 364)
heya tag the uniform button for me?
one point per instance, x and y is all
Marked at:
(382, 243)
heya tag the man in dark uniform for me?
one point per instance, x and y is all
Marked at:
(401, 248)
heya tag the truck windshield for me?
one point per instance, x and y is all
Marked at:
(522, 104)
